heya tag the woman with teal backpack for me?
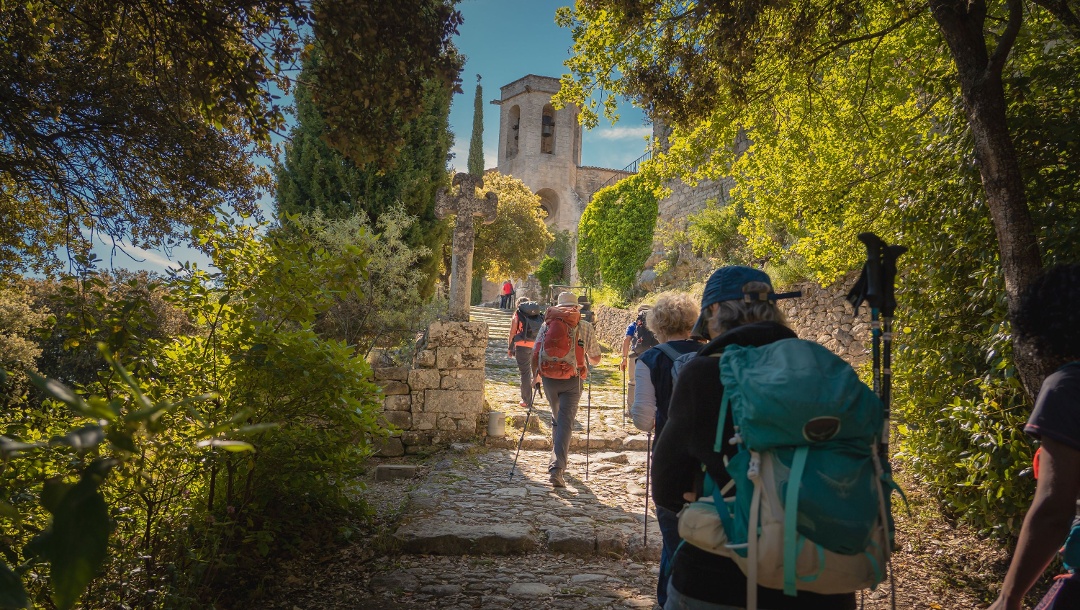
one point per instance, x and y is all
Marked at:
(738, 308)
(1049, 318)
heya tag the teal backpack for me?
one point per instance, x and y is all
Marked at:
(808, 477)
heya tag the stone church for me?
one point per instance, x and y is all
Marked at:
(541, 146)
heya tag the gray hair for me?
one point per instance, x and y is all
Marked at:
(736, 312)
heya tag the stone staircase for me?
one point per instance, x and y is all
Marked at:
(483, 528)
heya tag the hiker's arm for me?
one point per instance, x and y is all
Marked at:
(536, 349)
(592, 346)
(643, 409)
(1046, 524)
(510, 337)
(675, 465)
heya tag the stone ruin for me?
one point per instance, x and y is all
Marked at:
(440, 398)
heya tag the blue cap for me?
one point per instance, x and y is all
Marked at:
(726, 284)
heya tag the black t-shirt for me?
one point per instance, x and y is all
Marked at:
(1057, 409)
(686, 443)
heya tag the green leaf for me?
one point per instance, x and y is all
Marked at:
(53, 492)
(12, 592)
(234, 446)
(79, 542)
(10, 447)
(83, 439)
(61, 392)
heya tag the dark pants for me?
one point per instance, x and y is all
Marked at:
(506, 300)
(1065, 593)
(524, 362)
(564, 396)
(669, 532)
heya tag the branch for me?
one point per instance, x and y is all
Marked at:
(872, 35)
(1060, 10)
(1005, 44)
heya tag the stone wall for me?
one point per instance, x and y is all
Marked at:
(611, 324)
(685, 200)
(820, 314)
(825, 316)
(440, 398)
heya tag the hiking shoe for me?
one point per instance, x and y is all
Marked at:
(556, 479)
(523, 404)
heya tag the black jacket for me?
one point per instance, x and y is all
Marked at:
(686, 443)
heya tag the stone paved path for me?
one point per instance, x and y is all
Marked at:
(472, 537)
(466, 535)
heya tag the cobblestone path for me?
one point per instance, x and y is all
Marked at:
(466, 535)
(473, 537)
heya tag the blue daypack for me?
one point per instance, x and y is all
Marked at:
(808, 477)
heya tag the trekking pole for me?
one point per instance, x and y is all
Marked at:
(623, 396)
(588, 417)
(523, 429)
(648, 468)
(888, 306)
(873, 295)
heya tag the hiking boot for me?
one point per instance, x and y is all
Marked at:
(556, 479)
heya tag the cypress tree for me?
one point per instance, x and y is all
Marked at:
(313, 176)
(476, 144)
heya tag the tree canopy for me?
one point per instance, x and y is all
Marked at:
(135, 120)
(314, 176)
(699, 65)
(513, 244)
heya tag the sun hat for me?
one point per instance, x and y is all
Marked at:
(568, 299)
(726, 284)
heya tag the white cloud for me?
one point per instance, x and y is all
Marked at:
(623, 133)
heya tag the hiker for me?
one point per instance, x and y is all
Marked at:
(1049, 319)
(565, 347)
(524, 326)
(506, 299)
(670, 320)
(638, 338)
(737, 308)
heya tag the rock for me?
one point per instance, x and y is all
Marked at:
(529, 589)
(570, 540)
(443, 538)
(614, 458)
(391, 472)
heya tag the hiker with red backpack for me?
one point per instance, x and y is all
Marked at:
(524, 327)
(670, 320)
(1048, 317)
(702, 459)
(565, 347)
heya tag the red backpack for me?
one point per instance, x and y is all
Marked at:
(557, 359)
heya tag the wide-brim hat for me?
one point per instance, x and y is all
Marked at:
(726, 284)
(568, 299)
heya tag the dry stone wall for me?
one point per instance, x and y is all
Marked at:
(611, 323)
(820, 314)
(440, 398)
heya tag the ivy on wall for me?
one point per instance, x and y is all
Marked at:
(615, 234)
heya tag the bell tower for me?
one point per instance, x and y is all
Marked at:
(541, 146)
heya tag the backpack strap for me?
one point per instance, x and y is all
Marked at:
(791, 513)
(669, 351)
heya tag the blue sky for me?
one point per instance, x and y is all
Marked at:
(507, 39)
(503, 40)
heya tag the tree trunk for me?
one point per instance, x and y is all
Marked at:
(962, 24)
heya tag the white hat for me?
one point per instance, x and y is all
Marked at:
(568, 299)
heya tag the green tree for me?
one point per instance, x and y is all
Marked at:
(313, 176)
(513, 244)
(476, 143)
(615, 234)
(695, 64)
(133, 120)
